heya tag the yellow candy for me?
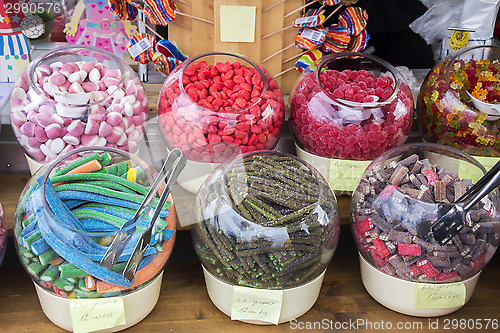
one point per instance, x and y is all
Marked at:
(132, 174)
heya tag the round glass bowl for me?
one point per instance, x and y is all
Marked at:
(266, 220)
(351, 106)
(459, 102)
(69, 213)
(3, 235)
(77, 96)
(401, 194)
(216, 105)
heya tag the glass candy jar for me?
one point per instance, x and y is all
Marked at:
(266, 221)
(66, 218)
(350, 106)
(459, 102)
(401, 194)
(77, 96)
(216, 105)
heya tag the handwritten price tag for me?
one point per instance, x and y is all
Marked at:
(256, 304)
(88, 315)
(344, 175)
(469, 171)
(440, 296)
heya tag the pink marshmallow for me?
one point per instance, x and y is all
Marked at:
(47, 151)
(40, 134)
(75, 88)
(53, 131)
(114, 118)
(43, 120)
(57, 79)
(36, 154)
(137, 120)
(57, 145)
(33, 142)
(114, 136)
(28, 129)
(75, 77)
(94, 75)
(76, 128)
(105, 129)
(92, 127)
(88, 140)
(110, 81)
(71, 139)
(87, 66)
(67, 69)
(90, 86)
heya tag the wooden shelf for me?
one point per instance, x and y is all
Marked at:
(184, 304)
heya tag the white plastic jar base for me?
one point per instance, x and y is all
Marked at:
(401, 295)
(296, 301)
(194, 174)
(138, 305)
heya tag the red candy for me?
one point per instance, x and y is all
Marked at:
(332, 120)
(426, 267)
(409, 249)
(380, 247)
(220, 110)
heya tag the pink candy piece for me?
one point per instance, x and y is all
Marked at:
(57, 79)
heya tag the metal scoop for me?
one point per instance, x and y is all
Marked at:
(128, 229)
(453, 220)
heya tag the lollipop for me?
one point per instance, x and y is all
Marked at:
(122, 9)
(337, 39)
(307, 59)
(142, 47)
(164, 64)
(353, 19)
(311, 19)
(330, 2)
(358, 42)
(170, 49)
(159, 12)
(310, 38)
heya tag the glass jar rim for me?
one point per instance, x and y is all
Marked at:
(122, 66)
(260, 71)
(317, 176)
(398, 80)
(50, 168)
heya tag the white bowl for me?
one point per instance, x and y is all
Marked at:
(138, 305)
(401, 295)
(194, 174)
(296, 301)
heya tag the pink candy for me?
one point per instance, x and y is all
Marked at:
(78, 104)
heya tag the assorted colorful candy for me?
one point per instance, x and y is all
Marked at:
(337, 38)
(350, 114)
(395, 204)
(88, 201)
(74, 104)
(446, 114)
(354, 19)
(214, 111)
(266, 221)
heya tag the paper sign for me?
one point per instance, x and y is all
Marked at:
(469, 171)
(440, 296)
(237, 24)
(344, 175)
(88, 315)
(256, 304)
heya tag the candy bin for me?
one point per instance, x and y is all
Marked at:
(217, 105)
(3, 235)
(66, 218)
(347, 109)
(409, 263)
(77, 96)
(459, 103)
(267, 225)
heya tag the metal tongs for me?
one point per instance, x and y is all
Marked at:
(173, 165)
(453, 220)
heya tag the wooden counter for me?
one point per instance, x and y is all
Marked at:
(184, 305)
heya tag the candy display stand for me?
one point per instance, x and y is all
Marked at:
(409, 263)
(400, 295)
(215, 106)
(137, 306)
(296, 301)
(349, 107)
(280, 246)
